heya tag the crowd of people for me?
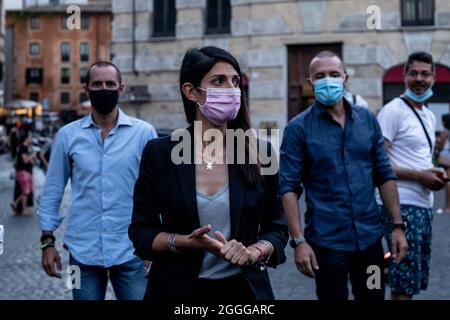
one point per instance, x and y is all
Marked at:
(205, 229)
(28, 148)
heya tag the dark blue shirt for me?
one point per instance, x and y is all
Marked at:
(339, 169)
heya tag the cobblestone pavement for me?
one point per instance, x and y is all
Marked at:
(21, 275)
(289, 284)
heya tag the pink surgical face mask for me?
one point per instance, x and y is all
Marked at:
(221, 105)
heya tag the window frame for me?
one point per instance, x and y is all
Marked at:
(64, 78)
(61, 51)
(37, 26)
(417, 21)
(85, 22)
(30, 79)
(82, 71)
(30, 45)
(166, 31)
(61, 97)
(85, 43)
(63, 25)
(221, 28)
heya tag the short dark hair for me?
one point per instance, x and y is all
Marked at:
(326, 54)
(100, 64)
(420, 56)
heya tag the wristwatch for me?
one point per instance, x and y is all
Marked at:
(296, 241)
(401, 226)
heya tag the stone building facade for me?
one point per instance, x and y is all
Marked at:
(274, 42)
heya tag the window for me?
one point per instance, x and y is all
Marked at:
(65, 75)
(84, 22)
(112, 52)
(34, 96)
(35, 49)
(34, 75)
(84, 51)
(218, 16)
(164, 16)
(64, 23)
(35, 23)
(417, 12)
(65, 52)
(65, 97)
(83, 72)
(83, 97)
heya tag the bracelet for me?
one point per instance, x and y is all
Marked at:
(47, 245)
(261, 253)
(270, 246)
(171, 243)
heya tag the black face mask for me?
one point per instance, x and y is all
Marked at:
(103, 101)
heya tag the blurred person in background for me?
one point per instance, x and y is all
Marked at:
(26, 157)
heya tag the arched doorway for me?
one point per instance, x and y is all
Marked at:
(439, 104)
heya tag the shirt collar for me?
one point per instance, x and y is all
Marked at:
(321, 110)
(123, 120)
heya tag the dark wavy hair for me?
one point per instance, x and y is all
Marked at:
(196, 64)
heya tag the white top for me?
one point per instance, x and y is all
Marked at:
(410, 148)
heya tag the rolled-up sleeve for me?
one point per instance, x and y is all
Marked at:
(291, 160)
(382, 167)
(55, 182)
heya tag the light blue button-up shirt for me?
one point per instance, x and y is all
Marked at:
(102, 175)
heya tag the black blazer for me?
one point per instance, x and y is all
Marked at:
(165, 200)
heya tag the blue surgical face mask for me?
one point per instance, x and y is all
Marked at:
(419, 98)
(329, 91)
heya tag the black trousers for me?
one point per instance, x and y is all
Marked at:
(335, 268)
(231, 289)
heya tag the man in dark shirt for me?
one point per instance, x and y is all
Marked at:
(336, 151)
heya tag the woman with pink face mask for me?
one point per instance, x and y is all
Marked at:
(210, 224)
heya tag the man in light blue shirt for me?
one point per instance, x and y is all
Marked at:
(100, 153)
